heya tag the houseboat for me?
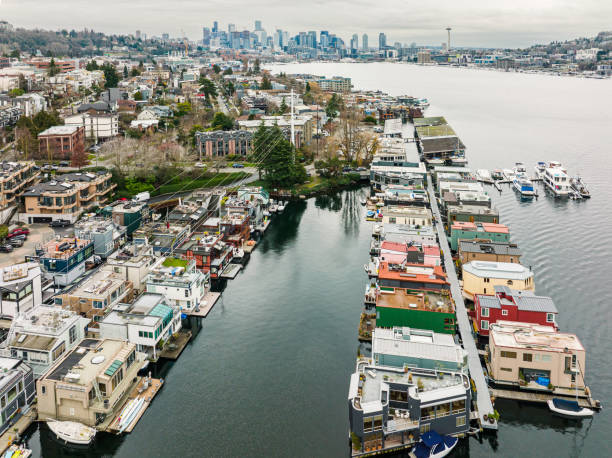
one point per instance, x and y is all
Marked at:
(556, 180)
(523, 185)
(579, 187)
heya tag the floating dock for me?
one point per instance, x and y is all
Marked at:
(531, 396)
(231, 271)
(174, 348)
(484, 405)
(139, 390)
(208, 302)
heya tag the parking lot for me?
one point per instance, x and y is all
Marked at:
(39, 233)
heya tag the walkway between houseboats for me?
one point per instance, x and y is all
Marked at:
(483, 399)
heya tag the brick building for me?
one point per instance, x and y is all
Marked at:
(61, 142)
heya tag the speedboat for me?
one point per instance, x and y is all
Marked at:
(363, 201)
(433, 445)
(129, 413)
(578, 185)
(568, 409)
(539, 168)
(281, 207)
(17, 451)
(508, 174)
(72, 431)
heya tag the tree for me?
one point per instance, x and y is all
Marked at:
(208, 88)
(16, 92)
(91, 66)
(183, 108)
(275, 158)
(53, 68)
(79, 158)
(125, 72)
(283, 107)
(265, 83)
(307, 86)
(256, 66)
(228, 71)
(110, 76)
(369, 119)
(334, 105)
(216, 69)
(15, 54)
(222, 122)
(25, 141)
(138, 96)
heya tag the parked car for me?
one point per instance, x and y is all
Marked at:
(6, 248)
(64, 164)
(200, 165)
(59, 223)
(18, 237)
(16, 243)
(237, 165)
(18, 231)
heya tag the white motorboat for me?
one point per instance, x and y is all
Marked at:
(433, 445)
(17, 451)
(524, 185)
(484, 175)
(273, 208)
(578, 185)
(497, 174)
(539, 168)
(72, 431)
(508, 174)
(568, 409)
(281, 207)
(363, 201)
(129, 413)
(238, 255)
(266, 213)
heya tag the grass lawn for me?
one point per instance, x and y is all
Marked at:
(174, 262)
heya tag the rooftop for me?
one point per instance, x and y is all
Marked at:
(41, 321)
(64, 247)
(430, 121)
(532, 336)
(499, 248)
(412, 272)
(145, 311)
(15, 275)
(524, 300)
(415, 300)
(59, 130)
(480, 227)
(98, 285)
(442, 130)
(503, 270)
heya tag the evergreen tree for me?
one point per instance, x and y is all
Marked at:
(283, 107)
(265, 83)
(125, 72)
(53, 68)
(110, 76)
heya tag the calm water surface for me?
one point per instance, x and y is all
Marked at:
(267, 373)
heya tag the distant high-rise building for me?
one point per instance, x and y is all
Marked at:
(382, 41)
(354, 42)
(231, 28)
(312, 39)
(137, 34)
(364, 41)
(205, 36)
(324, 40)
(258, 26)
(215, 28)
(165, 36)
(448, 30)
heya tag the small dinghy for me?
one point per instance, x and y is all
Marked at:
(568, 409)
(72, 431)
(433, 445)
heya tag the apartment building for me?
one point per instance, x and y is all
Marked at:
(149, 323)
(43, 334)
(128, 214)
(66, 197)
(17, 390)
(9, 115)
(133, 262)
(302, 127)
(481, 277)
(61, 142)
(15, 177)
(221, 143)
(97, 295)
(536, 357)
(415, 216)
(98, 127)
(335, 84)
(20, 288)
(88, 385)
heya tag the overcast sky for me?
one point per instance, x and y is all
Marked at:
(487, 23)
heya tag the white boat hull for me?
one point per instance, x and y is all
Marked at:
(583, 413)
(73, 432)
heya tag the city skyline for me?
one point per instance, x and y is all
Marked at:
(475, 24)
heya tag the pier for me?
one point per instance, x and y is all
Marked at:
(143, 389)
(208, 302)
(484, 405)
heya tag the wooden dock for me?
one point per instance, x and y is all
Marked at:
(208, 302)
(248, 249)
(531, 396)
(174, 348)
(231, 271)
(23, 423)
(138, 391)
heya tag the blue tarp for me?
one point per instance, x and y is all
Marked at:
(544, 381)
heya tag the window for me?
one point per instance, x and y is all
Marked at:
(505, 369)
(59, 351)
(527, 357)
(550, 317)
(509, 282)
(505, 312)
(3, 402)
(130, 359)
(57, 301)
(368, 424)
(186, 293)
(20, 386)
(102, 387)
(378, 423)
(546, 358)
(508, 354)
(43, 389)
(427, 413)
(425, 428)
(484, 311)
(460, 421)
(487, 280)
(484, 325)
(395, 395)
(72, 334)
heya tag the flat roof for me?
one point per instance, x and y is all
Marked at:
(503, 270)
(60, 130)
(532, 336)
(417, 343)
(478, 246)
(480, 227)
(412, 272)
(98, 284)
(415, 300)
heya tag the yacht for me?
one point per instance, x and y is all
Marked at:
(556, 180)
(519, 167)
(72, 431)
(523, 185)
(484, 175)
(497, 174)
(578, 185)
(508, 174)
(539, 168)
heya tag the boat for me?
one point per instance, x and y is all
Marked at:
(433, 445)
(238, 255)
(363, 201)
(539, 168)
(484, 175)
(273, 208)
(72, 431)
(508, 174)
(497, 174)
(556, 165)
(127, 416)
(568, 409)
(578, 185)
(17, 451)
(266, 213)
(556, 180)
(524, 185)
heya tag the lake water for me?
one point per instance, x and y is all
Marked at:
(267, 373)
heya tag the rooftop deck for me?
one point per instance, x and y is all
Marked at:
(415, 300)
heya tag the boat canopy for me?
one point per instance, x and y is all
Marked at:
(565, 404)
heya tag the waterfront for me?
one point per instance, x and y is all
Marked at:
(267, 374)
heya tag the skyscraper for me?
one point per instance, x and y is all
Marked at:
(364, 41)
(258, 26)
(324, 39)
(205, 36)
(215, 27)
(231, 28)
(382, 40)
(354, 42)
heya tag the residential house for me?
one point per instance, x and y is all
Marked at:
(481, 277)
(17, 390)
(149, 323)
(90, 383)
(414, 216)
(536, 357)
(133, 262)
(20, 288)
(98, 126)
(163, 237)
(97, 295)
(63, 260)
(484, 250)
(43, 334)
(461, 230)
(508, 304)
(210, 253)
(411, 276)
(128, 214)
(106, 235)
